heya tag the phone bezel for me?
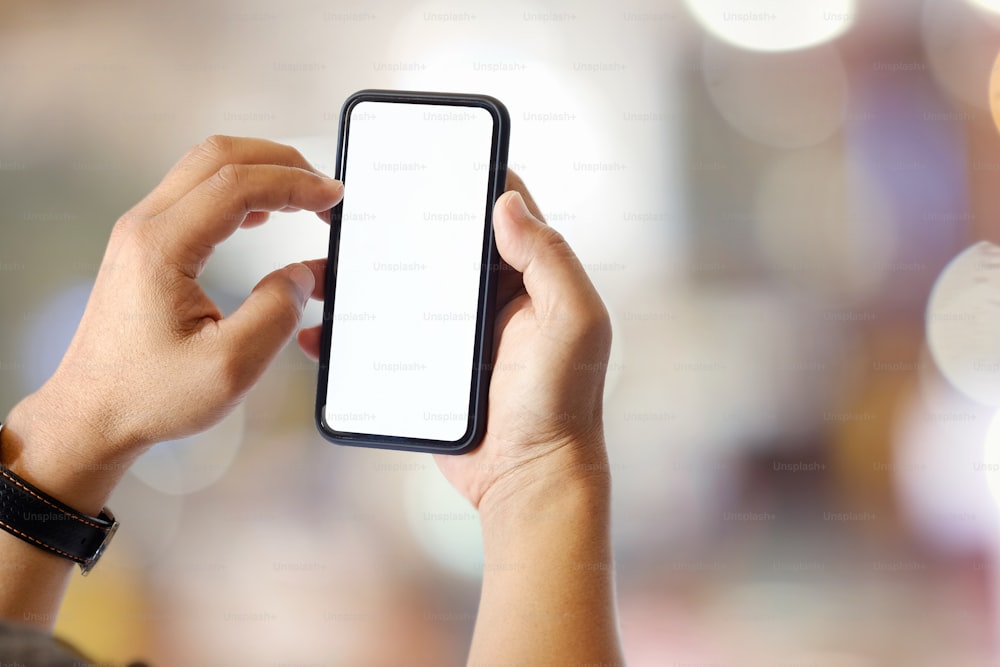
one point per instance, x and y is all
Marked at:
(486, 310)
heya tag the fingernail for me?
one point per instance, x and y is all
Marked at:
(303, 279)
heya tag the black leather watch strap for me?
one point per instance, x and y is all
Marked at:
(30, 514)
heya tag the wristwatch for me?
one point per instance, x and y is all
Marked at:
(30, 514)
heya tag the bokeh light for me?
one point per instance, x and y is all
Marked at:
(185, 466)
(47, 332)
(989, 464)
(783, 100)
(561, 87)
(961, 46)
(963, 323)
(988, 5)
(774, 25)
(937, 466)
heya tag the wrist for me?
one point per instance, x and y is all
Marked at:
(58, 446)
(571, 484)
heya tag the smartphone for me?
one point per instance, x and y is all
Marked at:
(411, 279)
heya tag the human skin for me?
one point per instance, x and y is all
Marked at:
(154, 359)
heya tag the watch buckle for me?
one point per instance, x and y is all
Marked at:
(88, 565)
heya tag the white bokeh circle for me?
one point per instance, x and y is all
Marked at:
(963, 323)
(774, 25)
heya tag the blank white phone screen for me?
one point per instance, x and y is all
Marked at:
(416, 181)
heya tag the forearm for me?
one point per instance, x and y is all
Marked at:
(34, 446)
(548, 583)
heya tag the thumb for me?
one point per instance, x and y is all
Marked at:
(553, 276)
(266, 320)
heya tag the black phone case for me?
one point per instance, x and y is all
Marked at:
(486, 312)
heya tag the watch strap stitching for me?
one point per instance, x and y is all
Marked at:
(73, 515)
(43, 545)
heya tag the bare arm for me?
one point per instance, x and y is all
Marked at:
(548, 582)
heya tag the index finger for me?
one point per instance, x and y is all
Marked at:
(187, 232)
(205, 159)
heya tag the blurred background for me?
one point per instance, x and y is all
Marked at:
(790, 209)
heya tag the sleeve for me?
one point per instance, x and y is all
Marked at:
(33, 647)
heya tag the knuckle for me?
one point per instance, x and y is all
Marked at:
(552, 243)
(282, 312)
(294, 157)
(227, 178)
(216, 148)
(597, 325)
(128, 220)
(135, 240)
(552, 246)
(588, 320)
(591, 318)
